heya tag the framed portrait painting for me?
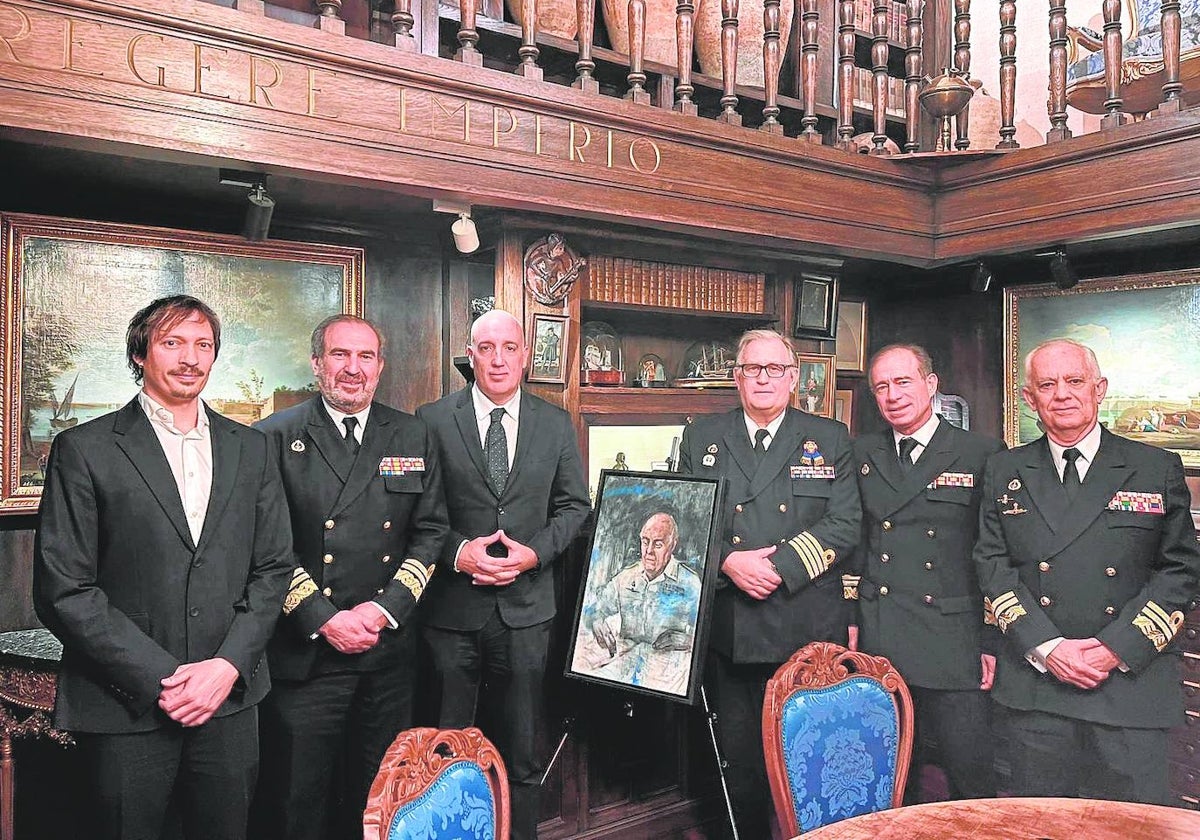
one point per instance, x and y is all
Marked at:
(843, 407)
(641, 623)
(816, 306)
(815, 384)
(69, 289)
(1145, 332)
(851, 344)
(549, 349)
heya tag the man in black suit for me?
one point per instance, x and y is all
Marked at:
(368, 522)
(1088, 556)
(160, 563)
(918, 598)
(516, 496)
(791, 513)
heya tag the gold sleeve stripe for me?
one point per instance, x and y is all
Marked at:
(813, 556)
(850, 587)
(1007, 609)
(1157, 626)
(414, 576)
(302, 587)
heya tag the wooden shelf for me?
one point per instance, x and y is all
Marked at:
(678, 402)
(634, 309)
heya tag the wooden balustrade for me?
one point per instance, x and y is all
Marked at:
(675, 88)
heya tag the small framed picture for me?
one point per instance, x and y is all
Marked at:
(816, 306)
(814, 384)
(851, 348)
(549, 349)
(843, 407)
(646, 596)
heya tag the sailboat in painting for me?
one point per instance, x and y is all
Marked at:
(64, 412)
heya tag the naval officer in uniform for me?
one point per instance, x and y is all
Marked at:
(918, 598)
(1088, 557)
(791, 514)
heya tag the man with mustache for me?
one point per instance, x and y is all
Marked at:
(160, 563)
(365, 493)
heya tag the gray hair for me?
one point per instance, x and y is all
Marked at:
(765, 335)
(317, 343)
(1088, 354)
(924, 362)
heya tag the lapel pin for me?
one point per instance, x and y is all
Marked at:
(1014, 485)
(708, 460)
(866, 470)
(712, 449)
(297, 445)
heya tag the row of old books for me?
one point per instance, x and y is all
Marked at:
(645, 283)
(864, 92)
(897, 20)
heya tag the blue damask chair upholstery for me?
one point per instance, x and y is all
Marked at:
(439, 784)
(837, 736)
(1141, 59)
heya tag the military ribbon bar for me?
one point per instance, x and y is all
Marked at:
(1128, 500)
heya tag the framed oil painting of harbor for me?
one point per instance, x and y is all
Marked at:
(70, 287)
(1145, 332)
(641, 623)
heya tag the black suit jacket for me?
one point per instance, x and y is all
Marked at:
(1123, 576)
(813, 519)
(118, 579)
(364, 528)
(543, 506)
(919, 602)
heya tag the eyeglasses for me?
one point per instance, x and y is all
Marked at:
(773, 371)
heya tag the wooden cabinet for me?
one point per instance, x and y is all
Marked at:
(1184, 751)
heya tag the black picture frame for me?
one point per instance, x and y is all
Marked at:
(663, 659)
(816, 306)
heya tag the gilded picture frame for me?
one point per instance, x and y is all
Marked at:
(645, 599)
(1145, 332)
(815, 384)
(843, 407)
(548, 343)
(69, 288)
(851, 342)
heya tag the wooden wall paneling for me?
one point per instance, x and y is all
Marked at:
(16, 570)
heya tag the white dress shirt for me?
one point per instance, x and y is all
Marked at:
(510, 421)
(922, 436)
(190, 457)
(339, 416)
(772, 428)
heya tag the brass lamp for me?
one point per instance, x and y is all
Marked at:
(944, 96)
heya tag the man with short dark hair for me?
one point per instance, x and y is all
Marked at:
(918, 598)
(791, 514)
(365, 493)
(161, 562)
(1088, 557)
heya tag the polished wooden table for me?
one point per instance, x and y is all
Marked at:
(1016, 818)
(28, 666)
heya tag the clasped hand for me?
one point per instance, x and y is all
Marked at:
(487, 570)
(192, 694)
(753, 572)
(355, 630)
(1084, 663)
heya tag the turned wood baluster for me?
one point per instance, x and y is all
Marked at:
(1057, 103)
(845, 125)
(329, 8)
(1008, 74)
(729, 45)
(809, 20)
(329, 17)
(637, 50)
(468, 36)
(402, 22)
(771, 61)
(684, 36)
(879, 74)
(1171, 33)
(1113, 118)
(962, 63)
(914, 74)
(585, 12)
(528, 51)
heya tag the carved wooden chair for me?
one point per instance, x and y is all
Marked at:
(439, 784)
(1142, 69)
(837, 736)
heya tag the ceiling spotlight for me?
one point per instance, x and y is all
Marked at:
(466, 237)
(1061, 270)
(258, 214)
(981, 279)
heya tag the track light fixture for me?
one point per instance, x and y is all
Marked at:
(981, 278)
(1062, 271)
(258, 214)
(466, 236)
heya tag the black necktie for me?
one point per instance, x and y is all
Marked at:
(1071, 481)
(496, 450)
(351, 440)
(907, 445)
(760, 444)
